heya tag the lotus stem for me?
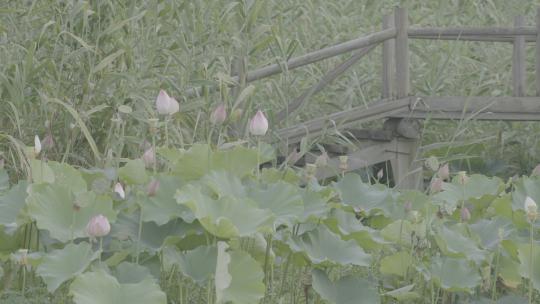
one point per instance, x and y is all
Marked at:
(496, 270)
(258, 158)
(139, 236)
(531, 261)
(100, 248)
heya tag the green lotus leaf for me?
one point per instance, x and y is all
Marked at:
(10, 242)
(131, 273)
(315, 205)
(476, 187)
(454, 274)
(162, 207)
(396, 264)
(403, 294)
(133, 172)
(68, 176)
(509, 272)
(322, 246)
(239, 278)
(456, 244)
(350, 289)
(198, 264)
(488, 231)
(241, 160)
(100, 287)
(41, 172)
(282, 199)
(52, 206)
(346, 224)
(153, 237)
(527, 269)
(399, 232)
(525, 187)
(225, 217)
(273, 175)
(512, 299)
(61, 265)
(11, 203)
(363, 196)
(223, 184)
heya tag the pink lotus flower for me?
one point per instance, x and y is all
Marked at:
(444, 172)
(149, 157)
(258, 124)
(436, 185)
(98, 226)
(465, 214)
(153, 187)
(380, 174)
(119, 190)
(219, 115)
(37, 145)
(165, 104)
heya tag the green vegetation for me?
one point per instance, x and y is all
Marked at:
(84, 76)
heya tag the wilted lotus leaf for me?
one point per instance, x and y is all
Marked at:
(162, 207)
(454, 274)
(351, 289)
(363, 196)
(100, 287)
(226, 216)
(61, 265)
(56, 209)
(321, 246)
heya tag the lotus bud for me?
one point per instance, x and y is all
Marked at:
(432, 163)
(219, 115)
(380, 174)
(465, 214)
(407, 206)
(344, 163)
(165, 104)
(311, 169)
(119, 190)
(436, 185)
(415, 216)
(258, 124)
(531, 208)
(37, 145)
(322, 160)
(444, 172)
(48, 142)
(536, 171)
(98, 226)
(153, 187)
(149, 157)
(462, 177)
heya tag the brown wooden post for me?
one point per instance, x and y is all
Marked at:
(388, 65)
(406, 170)
(519, 75)
(537, 51)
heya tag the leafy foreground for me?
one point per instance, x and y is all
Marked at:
(211, 229)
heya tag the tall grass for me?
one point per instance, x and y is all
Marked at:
(94, 56)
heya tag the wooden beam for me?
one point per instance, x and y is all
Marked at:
(519, 74)
(473, 108)
(388, 63)
(474, 38)
(406, 169)
(343, 119)
(537, 52)
(402, 52)
(325, 80)
(308, 58)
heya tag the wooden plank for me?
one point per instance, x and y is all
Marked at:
(479, 107)
(472, 31)
(308, 58)
(474, 38)
(537, 52)
(519, 75)
(406, 169)
(402, 52)
(325, 80)
(343, 119)
(388, 70)
(359, 159)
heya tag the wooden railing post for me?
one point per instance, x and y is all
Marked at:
(519, 75)
(537, 51)
(388, 66)
(402, 52)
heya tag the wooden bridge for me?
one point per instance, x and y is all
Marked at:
(398, 141)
